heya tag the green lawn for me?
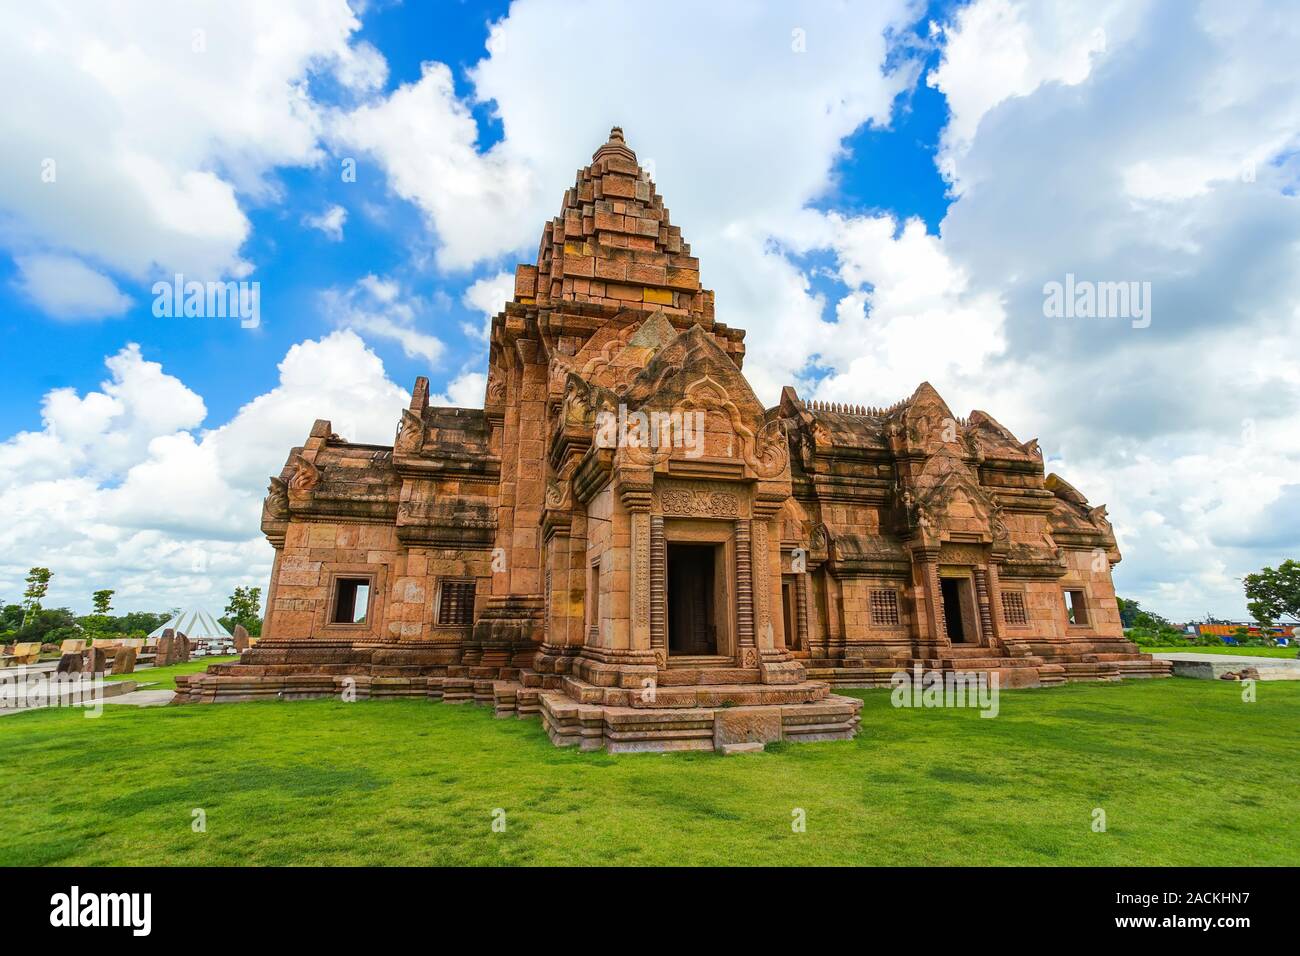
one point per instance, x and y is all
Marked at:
(164, 678)
(1186, 772)
(1287, 652)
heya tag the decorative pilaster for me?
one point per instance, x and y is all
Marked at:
(934, 598)
(744, 596)
(658, 591)
(760, 569)
(986, 611)
(267, 628)
(801, 610)
(640, 603)
(834, 622)
(995, 604)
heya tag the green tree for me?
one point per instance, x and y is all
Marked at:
(1128, 611)
(245, 608)
(103, 601)
(48, 626)
(138, 623)
(38, 584)
(1274, 593)
(11, 619)
(99, 623)
(1132, 615)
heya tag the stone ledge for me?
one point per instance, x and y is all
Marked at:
(721, 715)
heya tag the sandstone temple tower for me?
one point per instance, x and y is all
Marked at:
(626, 542)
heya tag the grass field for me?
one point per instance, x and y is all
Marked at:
(1287, 652)
(1186, 772)
(164, 678)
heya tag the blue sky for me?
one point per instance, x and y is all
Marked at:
(883, 169)
(877, 193)
(228, 365)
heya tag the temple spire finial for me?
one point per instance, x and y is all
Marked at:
(614, 146)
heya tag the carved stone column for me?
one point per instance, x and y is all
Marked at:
(774, 661)
(561, 634)
(511, 376)
(801, 611)
(267, 629)
(938, 630)
(834, 623)
(995, 603)
(744, 596)
(658, 591)
(760, 569)
(640, 601)
(986, 611)
(530, 482)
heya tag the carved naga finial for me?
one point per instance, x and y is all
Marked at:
(306, 475)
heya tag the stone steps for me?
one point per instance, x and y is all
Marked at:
(693, 695)
(727, 717)
(1150, 667)
(699, 660)
(569, 723)
(685, 676)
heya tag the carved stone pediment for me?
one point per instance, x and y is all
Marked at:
(1074, 518)
(925, 424)
(946, 498)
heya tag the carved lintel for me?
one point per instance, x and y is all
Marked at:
(698, 501)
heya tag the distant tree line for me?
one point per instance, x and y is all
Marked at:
(1272, 595)
(29, 621)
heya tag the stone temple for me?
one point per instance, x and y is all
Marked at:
(625, 542)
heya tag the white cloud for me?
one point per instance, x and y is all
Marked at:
(67, 288)
(181, 113)
(1116, 141)
(998, 49)
(489, 296)
(910, 318)
(1161, 158)
(379, 307)
(329, 221)
(466, 390)
(740, 129)
(122, 489)
(425, 140)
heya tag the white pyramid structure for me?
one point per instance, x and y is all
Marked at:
(196, 623)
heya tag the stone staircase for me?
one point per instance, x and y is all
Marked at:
(695, 706)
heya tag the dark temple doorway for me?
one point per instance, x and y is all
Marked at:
(692, 625)
(952, 609)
